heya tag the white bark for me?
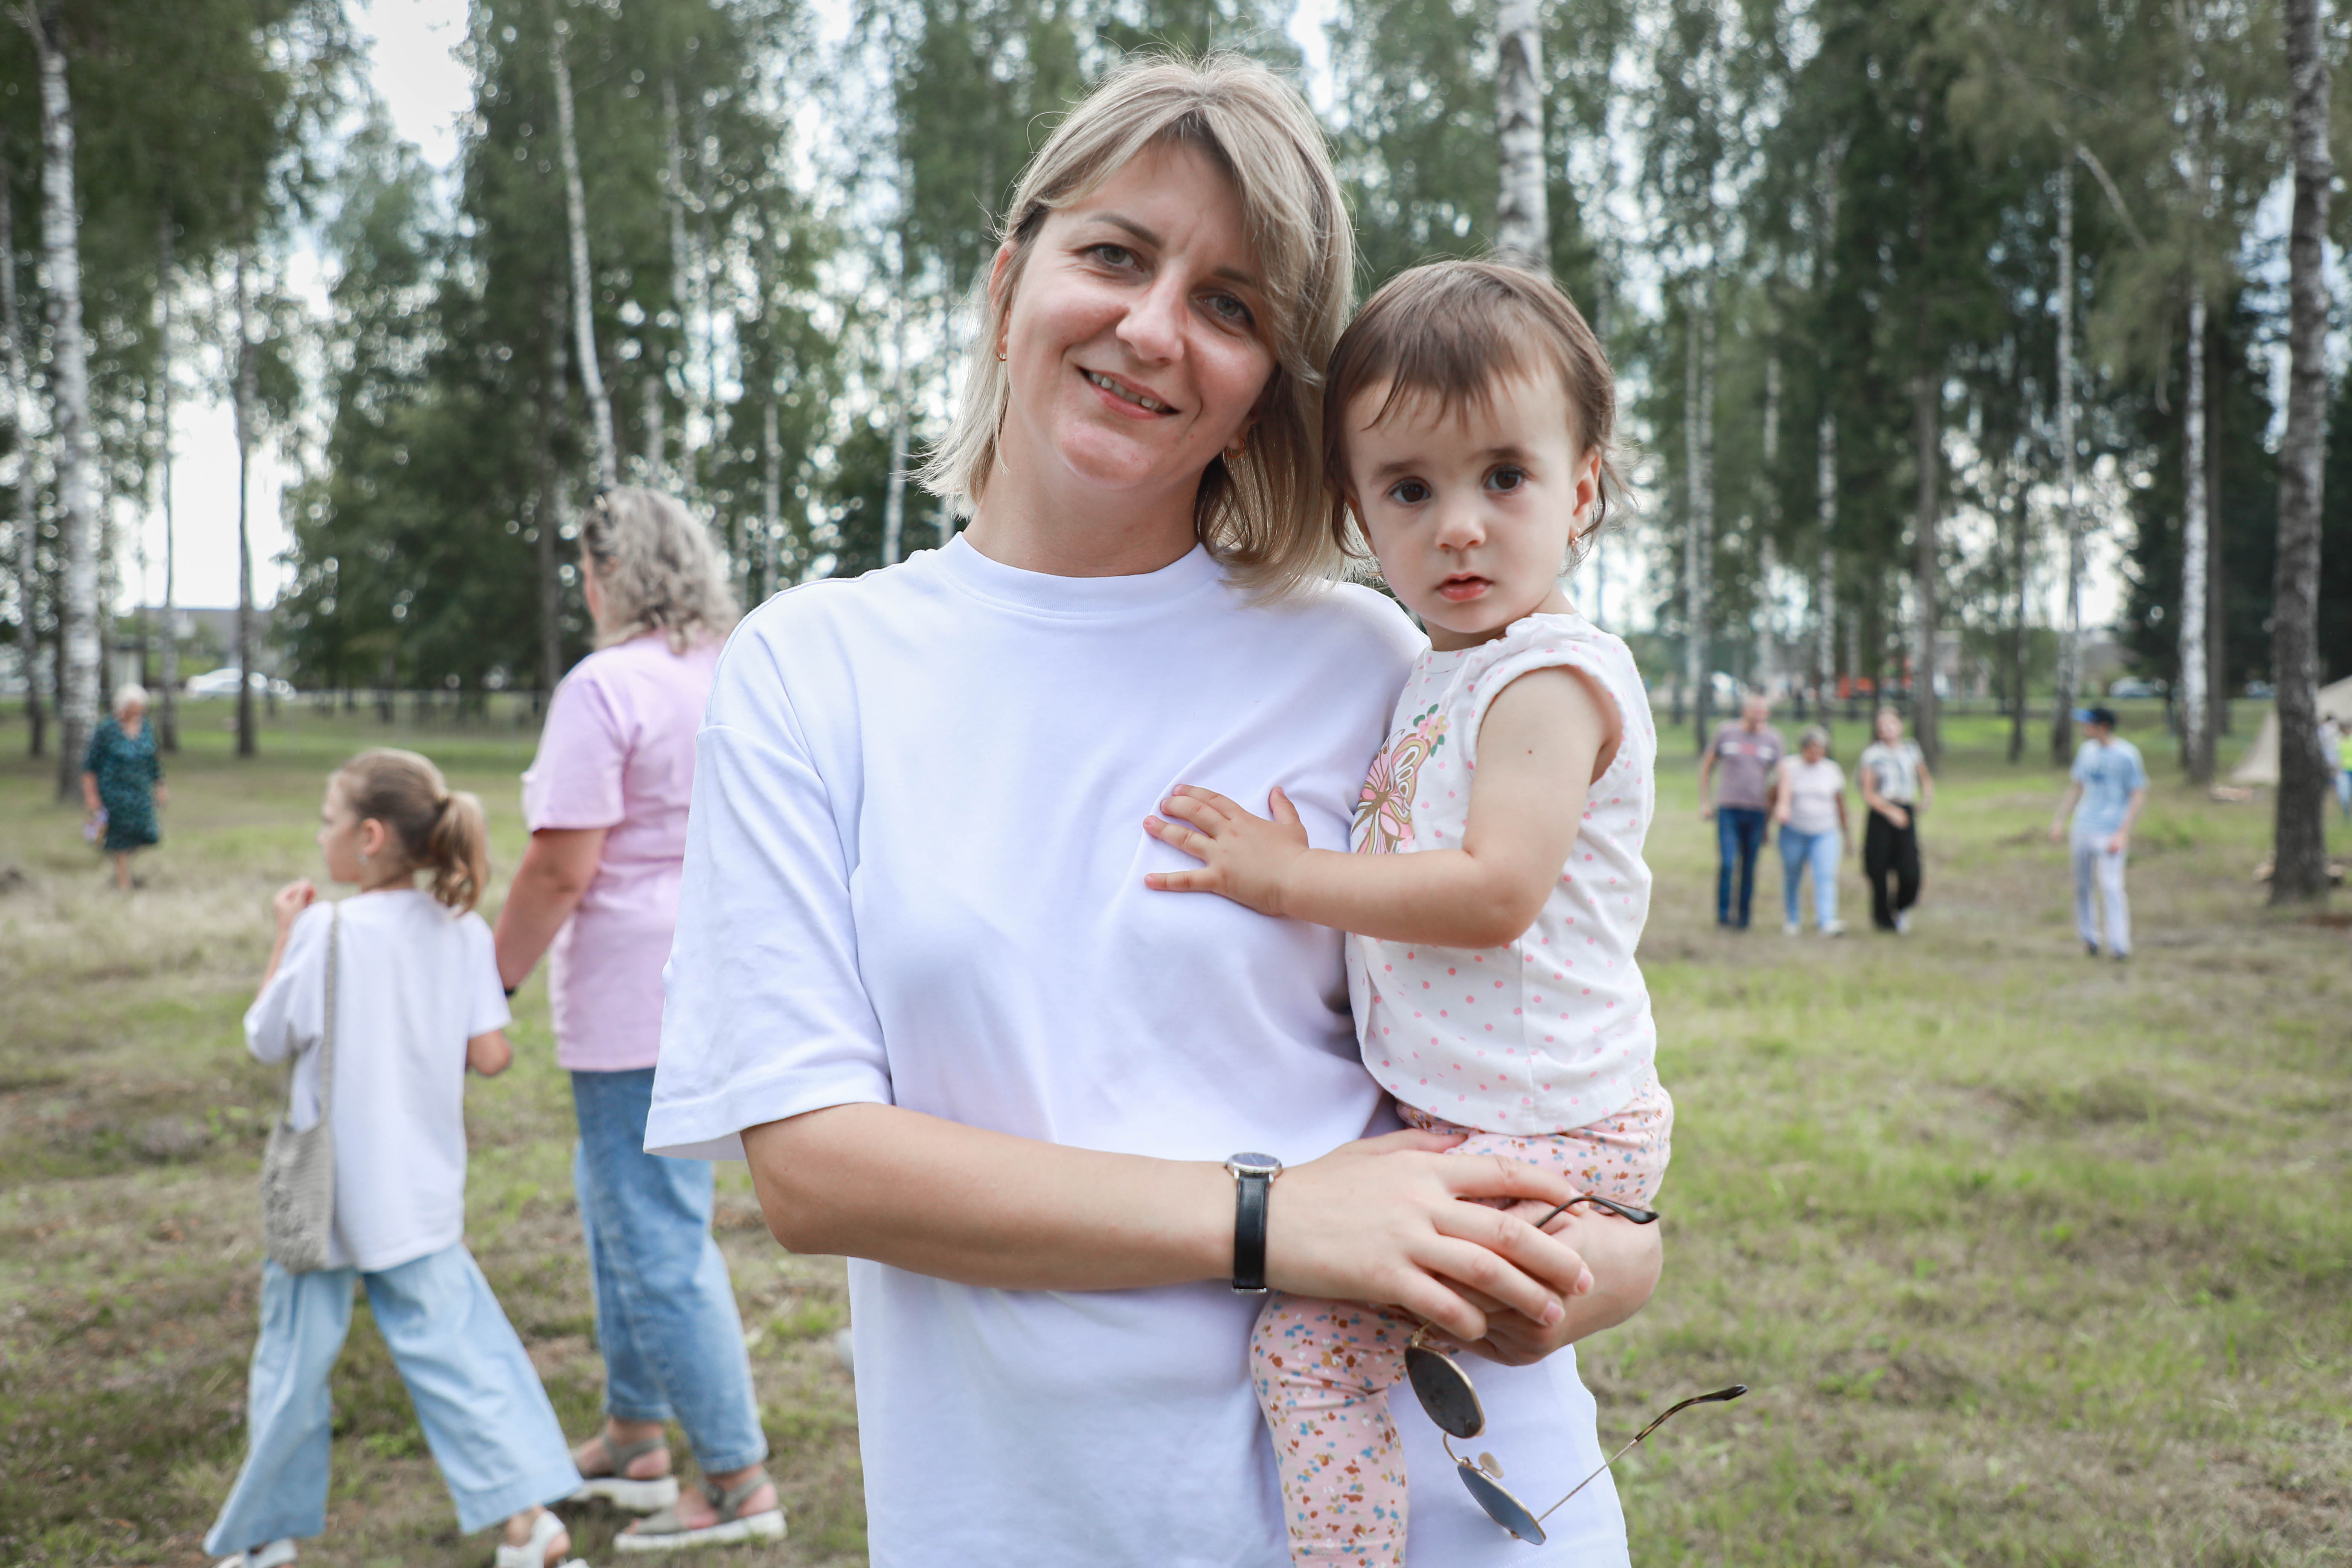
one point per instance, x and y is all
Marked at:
(1699, 440)
(772, 498)
(2070, 640)
(16, 471)
(894, 497)
(167, 717)
(583, 299)
(241, 403)
(1825, 569)
(72, 438)
(2189, 700)
(1522, 223)
(681, 263)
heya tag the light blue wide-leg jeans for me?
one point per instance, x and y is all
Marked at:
(485, 1414)
(666, 1314)
(1819, 851)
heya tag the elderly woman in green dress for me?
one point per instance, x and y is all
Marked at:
(122, 780)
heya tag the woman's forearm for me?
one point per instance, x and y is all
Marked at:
(979, 1207)
(1381, 1220)
(89, 791)
(548, 886)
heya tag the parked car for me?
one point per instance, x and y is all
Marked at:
(2132, 686)
(222, 682)
(2261, 690)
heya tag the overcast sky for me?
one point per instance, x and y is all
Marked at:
(427, 91)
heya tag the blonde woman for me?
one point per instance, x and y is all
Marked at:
(920, 981)
(122, 781)
(605, 800)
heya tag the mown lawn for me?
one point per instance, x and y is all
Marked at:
(2029, 1259)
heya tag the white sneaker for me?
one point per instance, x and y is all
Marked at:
(1835, 928)
(1903, 923)
(276, 1554)
(1788, 928)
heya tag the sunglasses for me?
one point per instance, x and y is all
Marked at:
(1445, 1393)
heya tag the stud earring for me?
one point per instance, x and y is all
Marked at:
(1000, 354)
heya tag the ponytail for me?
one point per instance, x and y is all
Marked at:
(436, 829)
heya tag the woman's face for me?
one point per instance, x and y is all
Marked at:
(592, 591)
(1135, 344)
(1890, 727)
(130, 714)
(1815, 751)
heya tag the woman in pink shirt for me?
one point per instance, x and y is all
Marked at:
(606, 801)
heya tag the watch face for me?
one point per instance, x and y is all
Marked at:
(1254, 1165)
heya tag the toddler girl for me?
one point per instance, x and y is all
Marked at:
(1497, 890)
(417, 1002)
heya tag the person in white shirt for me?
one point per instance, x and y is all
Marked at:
(1897, 787)
(1810, 807)
(1497, 890)
(417, 1004)
(919, 980)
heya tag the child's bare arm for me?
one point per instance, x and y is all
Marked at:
(287, 904)
(1544, 739)
(489, 1054)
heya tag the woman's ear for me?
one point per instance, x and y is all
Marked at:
(999, 272)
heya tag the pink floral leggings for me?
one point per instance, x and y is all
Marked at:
(1321, 1367)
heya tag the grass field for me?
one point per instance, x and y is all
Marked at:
(2030, 1259)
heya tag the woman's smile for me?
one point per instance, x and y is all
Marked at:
(1125, 396)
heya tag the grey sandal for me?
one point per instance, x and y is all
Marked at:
(663, 1532)
(619, 1489)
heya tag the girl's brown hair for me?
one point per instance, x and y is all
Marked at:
(1450, 330)
(436, 829)
(1256, 513)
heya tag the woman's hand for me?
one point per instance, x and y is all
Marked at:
(1895, 815)
(162, 795)
(1242, 855)
(1626, 1259)
(1386, 1220)
(291, 900)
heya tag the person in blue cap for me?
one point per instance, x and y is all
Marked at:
(2109, 787)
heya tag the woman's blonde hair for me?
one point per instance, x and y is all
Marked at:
(1258, 513)
(656, 569)
(434, 829)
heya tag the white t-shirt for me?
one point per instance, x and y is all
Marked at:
(1813, 791)
(914, 876)
(1894, 768)
(1553, 1030)
(414, 983)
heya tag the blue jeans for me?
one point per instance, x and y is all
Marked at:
(665, 1317)
(484, 1416)
(1738, 837)
(1821, 851)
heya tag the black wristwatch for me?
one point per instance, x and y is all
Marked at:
(1253, 1177)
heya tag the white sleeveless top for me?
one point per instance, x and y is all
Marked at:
(1553, 1031)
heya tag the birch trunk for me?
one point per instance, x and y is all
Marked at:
(1522, 223)
(681, 264)
(242, 407)
(1698, 547)
(1928, 444)
(1825, 571)
(16, 475)
(546, 512)
(1767, 624)
(72, 442)
(772, 489)
(2018, 519)
(2299, 860)
(894, 496)
(2217, 370)
(167, 714)
(2070, 638)
(2190, 699)
(583, 298)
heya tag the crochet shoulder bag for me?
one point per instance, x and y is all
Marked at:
(297, 1169)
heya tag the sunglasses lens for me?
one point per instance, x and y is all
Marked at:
(1501, 1506)
(1444, 1392)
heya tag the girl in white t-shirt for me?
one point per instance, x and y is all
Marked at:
(1497, 889)
(416, 1004)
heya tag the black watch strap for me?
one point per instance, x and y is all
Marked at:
(1252, 1186)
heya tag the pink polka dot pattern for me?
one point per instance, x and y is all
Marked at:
(1562, 1032)
(1322, 1368)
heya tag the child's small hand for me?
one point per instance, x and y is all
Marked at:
(291, 900)
(1243, 856)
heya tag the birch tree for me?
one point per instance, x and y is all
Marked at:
(72, 441)
(244, 371)
(583, 298)
(1522, 223)
(17, 474)
(2299, 858)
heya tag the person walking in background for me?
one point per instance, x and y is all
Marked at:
(1748, 752)
(605, 800)
(2336, 745)
(2108, 789)
(1811, 810)
(415, 993)
(1896, 787)
(122, 781)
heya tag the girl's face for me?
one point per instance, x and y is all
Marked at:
(1135, 344)
(1472, 511)
(343, 839)
(1890, 727)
